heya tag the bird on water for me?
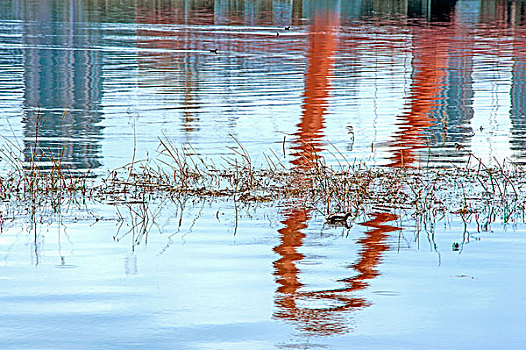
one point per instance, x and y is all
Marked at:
(339, 218)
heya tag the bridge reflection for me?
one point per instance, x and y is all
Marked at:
(324, 312)
(321, 312)
(440, 35)
(307, 147)
(428, 81)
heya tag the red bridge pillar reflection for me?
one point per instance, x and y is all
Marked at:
(320, 62)
(323, 312)
(426, 92)
(291, 302)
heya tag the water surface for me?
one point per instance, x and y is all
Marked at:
(408, 82)
(393, 83)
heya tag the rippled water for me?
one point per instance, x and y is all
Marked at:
(410, 89)
(391, 83)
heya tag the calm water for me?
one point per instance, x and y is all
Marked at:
(392, 83)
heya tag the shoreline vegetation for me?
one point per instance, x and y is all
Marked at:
(474, 191)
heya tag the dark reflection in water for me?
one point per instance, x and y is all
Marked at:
(441, 10)
(61, 76)
(453, 117)
(440, 102)
(189, 12)
(518, 100)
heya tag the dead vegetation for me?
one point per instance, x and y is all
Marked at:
(473, 191)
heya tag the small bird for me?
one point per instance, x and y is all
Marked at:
(287, 28)
(277, 34)
(339, 219)
(213, 50)
(455, 247)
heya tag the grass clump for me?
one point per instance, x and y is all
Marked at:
(471, 190)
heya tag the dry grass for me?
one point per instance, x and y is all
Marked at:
(472, 191)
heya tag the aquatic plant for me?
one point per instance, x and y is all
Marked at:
(472, 191)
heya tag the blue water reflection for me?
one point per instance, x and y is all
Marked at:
(391, 83)
(428, 73)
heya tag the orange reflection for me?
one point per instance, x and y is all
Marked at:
(428, 82)
(373, 247)
(286, 272)
(320, 63)
(323, 312)
(293, 304)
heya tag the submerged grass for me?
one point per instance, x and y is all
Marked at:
(471, 191)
